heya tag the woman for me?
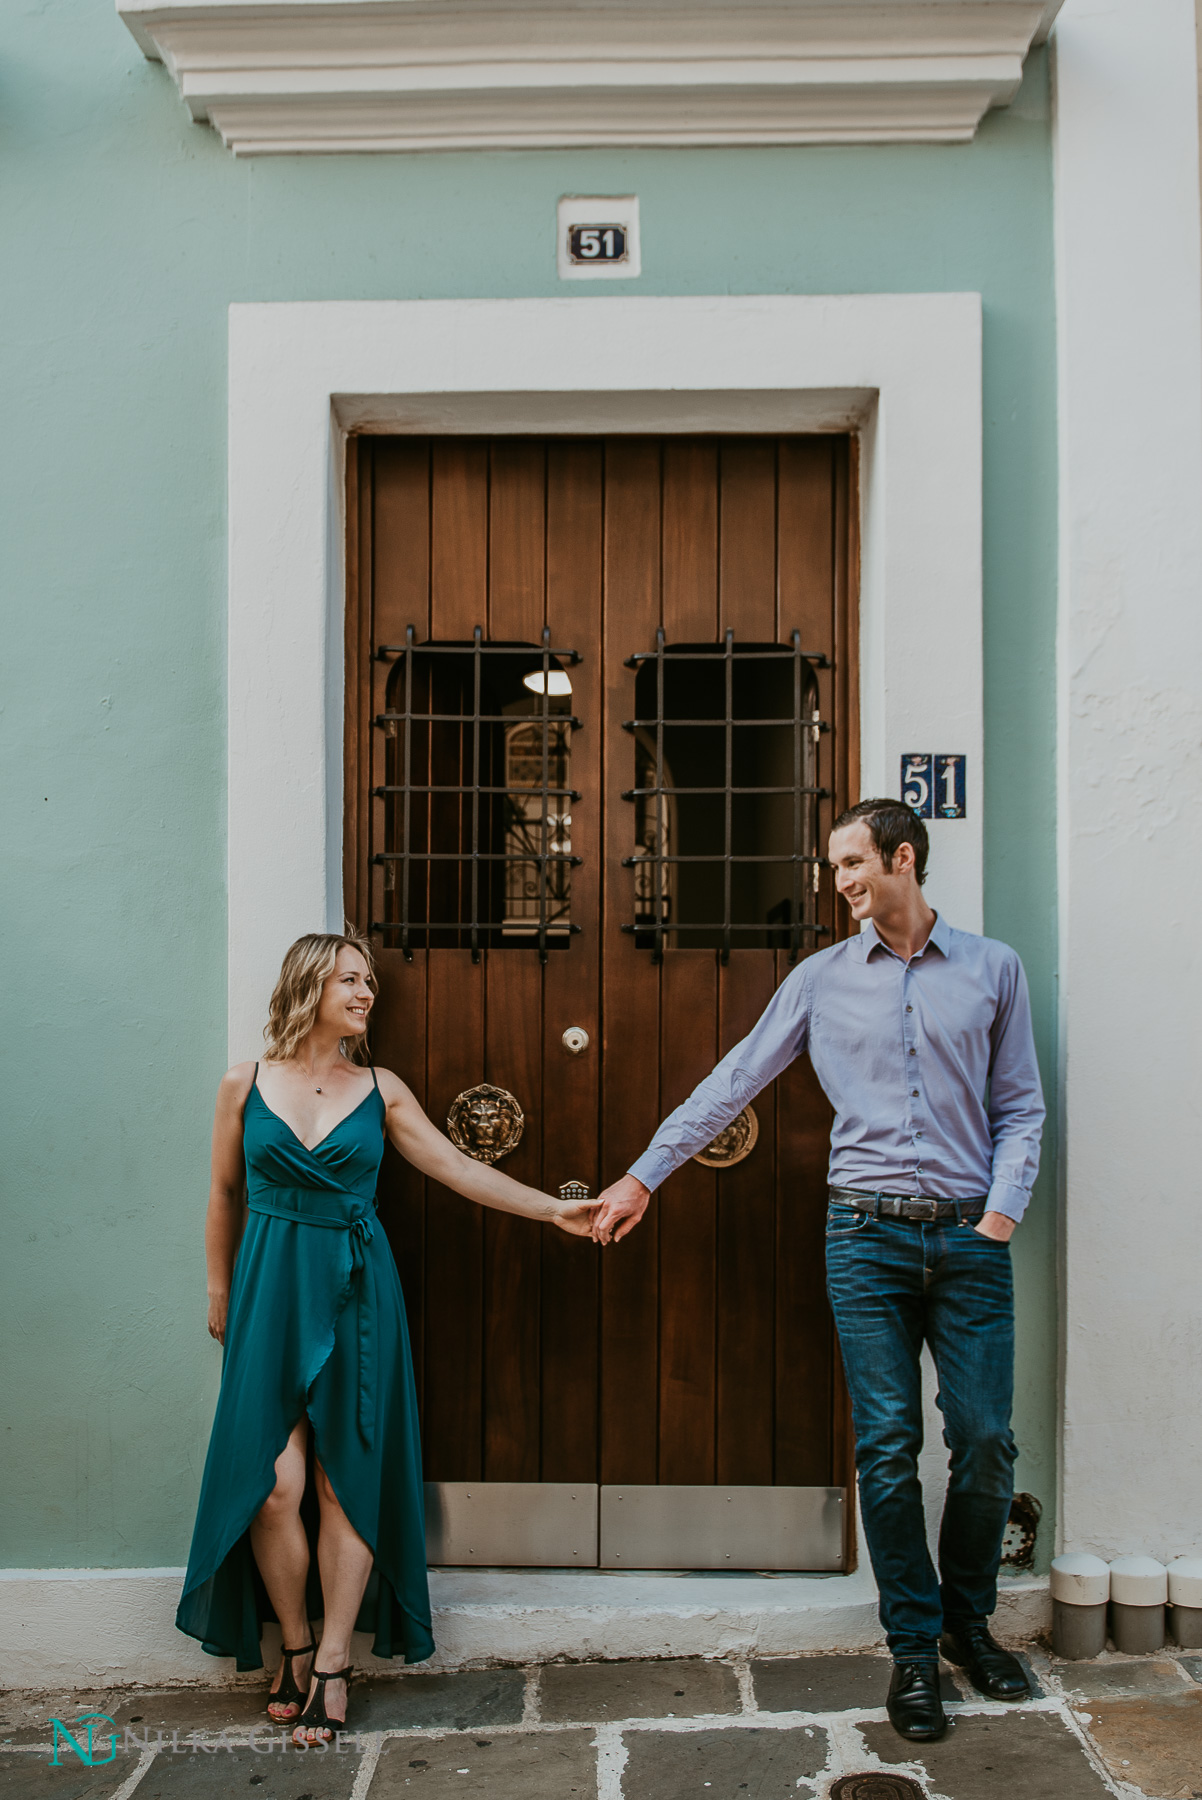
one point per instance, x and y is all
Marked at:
(315, 1438)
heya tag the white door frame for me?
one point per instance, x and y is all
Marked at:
(902, 370)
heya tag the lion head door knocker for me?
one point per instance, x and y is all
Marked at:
(733, 1144)
(486, 1122)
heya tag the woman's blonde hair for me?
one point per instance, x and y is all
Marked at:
(305, 970)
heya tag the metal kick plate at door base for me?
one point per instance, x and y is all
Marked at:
(524, 1524)
(722, 1528)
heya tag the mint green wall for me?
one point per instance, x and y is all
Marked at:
(126, 233)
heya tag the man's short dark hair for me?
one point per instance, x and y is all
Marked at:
(890, 823)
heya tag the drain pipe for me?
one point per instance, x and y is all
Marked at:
(1139, 1588)
(1185, 1602)
(1080, 1586)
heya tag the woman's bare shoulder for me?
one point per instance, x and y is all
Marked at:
(392, 1087)
(237, 1082)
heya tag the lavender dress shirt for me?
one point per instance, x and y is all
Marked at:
(929, 1065)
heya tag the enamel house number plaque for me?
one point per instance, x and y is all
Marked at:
(597, 244)
(932, 783)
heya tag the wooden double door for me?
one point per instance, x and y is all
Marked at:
(601, 711)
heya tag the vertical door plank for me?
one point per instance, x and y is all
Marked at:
(401, 566)
(687, 1226)
(630, 1019)
(748, 552)
(357, 645)
(807, 599)
(397, 1045)
(746, 1252)
(513, 1010)
(746, 1194)
(690, 539)
(571, 1267)
(517, 517)
(458, 537)
(454, 1233)
(803, 1329)
(512, 1245)
(455, 1018)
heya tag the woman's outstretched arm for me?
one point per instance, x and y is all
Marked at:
(227, 1193)
(422, 1144)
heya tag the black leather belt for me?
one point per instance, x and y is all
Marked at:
(906, 1206)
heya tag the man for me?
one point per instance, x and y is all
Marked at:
(921, 1038)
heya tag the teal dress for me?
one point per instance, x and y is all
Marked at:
(316, 1325)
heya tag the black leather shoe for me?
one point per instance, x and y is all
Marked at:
(992, 1670)
(913, 1705)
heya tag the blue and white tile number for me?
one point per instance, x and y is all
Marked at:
(933, 784)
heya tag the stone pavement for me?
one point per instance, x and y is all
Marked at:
(673, 1730)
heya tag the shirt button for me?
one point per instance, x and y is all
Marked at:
(909, 1009)
(913, 1052)
(913, 1093)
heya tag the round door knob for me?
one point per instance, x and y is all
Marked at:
(575, 1039)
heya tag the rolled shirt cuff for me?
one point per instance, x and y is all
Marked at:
(1004, 1197)
(652, 1170)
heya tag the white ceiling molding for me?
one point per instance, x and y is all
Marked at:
(281, 76)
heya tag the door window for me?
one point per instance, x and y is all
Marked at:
(726, 797)
(477, 803)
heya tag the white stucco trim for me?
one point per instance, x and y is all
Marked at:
(907, 367)
(98, 1628)
(1130, 747)
(283, 76)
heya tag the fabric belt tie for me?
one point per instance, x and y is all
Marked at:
(360, 1230)
(907, 1206)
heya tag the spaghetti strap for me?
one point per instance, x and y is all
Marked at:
(375, 1083)
(254, 1080)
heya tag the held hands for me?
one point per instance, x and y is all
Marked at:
(621, 1207)
(575, 1217)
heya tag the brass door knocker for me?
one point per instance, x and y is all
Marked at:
(733, 1144)
(485, 1122)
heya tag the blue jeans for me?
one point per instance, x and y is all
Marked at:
(892, 1283)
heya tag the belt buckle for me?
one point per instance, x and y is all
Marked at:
(924, 1209)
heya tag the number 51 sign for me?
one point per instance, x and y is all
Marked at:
(933, 784)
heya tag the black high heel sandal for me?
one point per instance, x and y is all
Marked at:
(288, 1693)
(317, 1701)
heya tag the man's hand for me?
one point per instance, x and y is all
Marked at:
(621, 1208)
(996, 1225)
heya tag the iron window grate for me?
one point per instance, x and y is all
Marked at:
(655, 861)
(531, 823)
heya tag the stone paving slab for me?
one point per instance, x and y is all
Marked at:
(194, 1709)
(459, 1702)
(1192, 1666)
(1154, 1743)
(29, 1776)
(251, 1775)
(1121, 1680)
(549, 1765)
(828, 1683)
(602, 1691)
(1017, 1756)
(748, 1763)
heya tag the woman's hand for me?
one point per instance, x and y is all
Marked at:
(576, 1217)
(219, 1305)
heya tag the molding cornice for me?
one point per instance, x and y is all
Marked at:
(283, 76)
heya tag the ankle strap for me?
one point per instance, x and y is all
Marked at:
(332, 1674)
(303, 1651)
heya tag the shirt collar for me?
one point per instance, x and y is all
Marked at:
(940, 938)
